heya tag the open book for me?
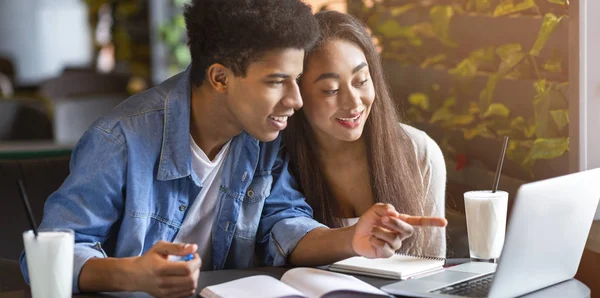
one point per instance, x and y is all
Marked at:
(396, 267)
(297, 282)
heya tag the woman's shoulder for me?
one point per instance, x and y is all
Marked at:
(425, 146)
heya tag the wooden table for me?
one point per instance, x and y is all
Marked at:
(571, 288)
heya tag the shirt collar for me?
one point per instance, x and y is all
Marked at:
(175, 153)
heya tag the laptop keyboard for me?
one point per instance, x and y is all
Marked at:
(471, 288)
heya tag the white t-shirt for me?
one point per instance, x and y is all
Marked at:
(197, 225)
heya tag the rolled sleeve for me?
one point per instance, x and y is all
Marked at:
(286, 234)
(84, 252)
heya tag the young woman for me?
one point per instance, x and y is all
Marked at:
(347, 148)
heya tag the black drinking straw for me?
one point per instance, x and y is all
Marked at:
(499, 166)
(28, 208)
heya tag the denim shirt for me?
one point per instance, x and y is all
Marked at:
(131, 178)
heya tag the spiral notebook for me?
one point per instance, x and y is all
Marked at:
(399, 266)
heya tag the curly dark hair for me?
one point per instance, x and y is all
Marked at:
(238, 32)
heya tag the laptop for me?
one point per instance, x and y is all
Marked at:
(548, 229)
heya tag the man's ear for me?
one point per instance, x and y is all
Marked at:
(219, 76)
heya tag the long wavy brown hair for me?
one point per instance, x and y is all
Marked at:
(395, 177)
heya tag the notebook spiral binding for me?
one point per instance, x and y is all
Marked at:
(420, 256)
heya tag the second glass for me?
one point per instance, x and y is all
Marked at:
(486, 223)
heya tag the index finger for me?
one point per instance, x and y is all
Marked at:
(424, 221)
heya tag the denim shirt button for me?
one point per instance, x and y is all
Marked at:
(250, 193)
(182, 208)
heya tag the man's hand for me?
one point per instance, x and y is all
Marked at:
(380, 231)
(156, 275)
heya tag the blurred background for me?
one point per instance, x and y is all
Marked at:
(467, 72)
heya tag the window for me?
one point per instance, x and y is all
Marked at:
(585, 133)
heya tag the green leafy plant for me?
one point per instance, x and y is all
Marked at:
(541, 135)
(172, 33)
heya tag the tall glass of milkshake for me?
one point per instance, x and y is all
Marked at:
(50, 262)
(486, 223)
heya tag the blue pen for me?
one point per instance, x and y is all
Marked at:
(187, 258)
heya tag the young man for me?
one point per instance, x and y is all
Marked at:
(196, 161)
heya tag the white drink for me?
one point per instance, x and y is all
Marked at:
(486, 223)
(50, 263)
